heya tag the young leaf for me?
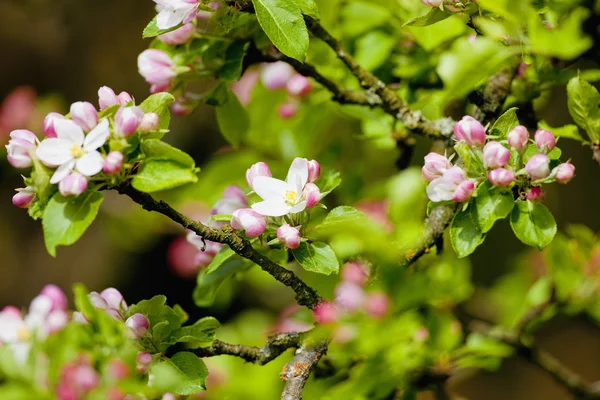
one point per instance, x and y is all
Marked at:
(569, 131)
(162, 318)
(156, 175)
(465, 232)
(222, 256)
(67, 218)
(283, 23)
(201, 332)
(473, 161)
(233, 119)
(492, 203)
(532, 150)
(208, 284)
(317, 257)
(158, 150)
(159, 103)
(533, 224)
(234, 58)
(183, 374)
(329, 181)
(151, 30)
(308, 7)
(583, 100)
(434, 15)
(506, 123)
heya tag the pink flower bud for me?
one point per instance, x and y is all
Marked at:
(518, 137)
(138, 324)
(127, 120)
(289, 236)
(143, 361)
(464, 191)
(495, 155)
(107, 98)
(250, 221)
(432, 3)
(564, 172)
(150, 122)
(325, 313)
(288, 109)
(276, 75)
(501, 177)
(113, 162)
(377, 304)
(156, 67)
(534, 194)
(56, 321)
(470, 130)
(73, 184)
(202, 259)
(124, 98)
(97, 301)
(178, 36)
(12, 312)
(182, 105)
(314, 170)
(258, 169)
(298, 85)
(349, 296)
(355, 272)
(117, 369)
(20, 144)
(421, 334)
(85, 115)
(538, 166)
(312, 194)
(435, 165)
(544, 140)
(234, 194)
(24, 197)
(114, 299)
(85, 378)
(115, 314)
(48, 125)
(56, 296)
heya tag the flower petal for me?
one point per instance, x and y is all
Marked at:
(298, 207)
(90, 163)
(173, 14)
(68, 130)
(97, 136)
(271, 208)
(270, 188)
(298, 173)
(62, 171)
(54, 152)
(440, 190)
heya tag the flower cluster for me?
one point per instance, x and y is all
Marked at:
(87, 146)
(505, 163)
(280, 75)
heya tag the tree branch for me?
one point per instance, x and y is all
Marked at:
(489, 100)
(296, 372)
(305, 295)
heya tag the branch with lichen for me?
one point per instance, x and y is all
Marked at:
(296, 372)
(305, 295)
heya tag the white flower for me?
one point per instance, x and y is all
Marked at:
(282, 197)
(71, 149)
(174, 12)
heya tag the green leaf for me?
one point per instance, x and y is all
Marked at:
(583, 101)
(183, 374)
(222, 256)
(533, 224)
(473, 161)
(208, 284)
(339, 217)
(434, 15)
(532, 150)
(317, 257)
(151, 30)
(492, 203)
(156, 175)
(308, 7)
(373, 49)
(201, 332)
(329, 181)
(283, 23)
(234, 59)
(233, 119)
(569, 131)
(163, 319)
(67, 218)
(465, 232)
(506, 123)
(159, 103)
(358, 17)
(158, 150)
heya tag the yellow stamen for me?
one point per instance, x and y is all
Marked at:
(23, 334)
(76, 151)
(291, 196)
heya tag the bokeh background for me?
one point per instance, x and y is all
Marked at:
(60, 51)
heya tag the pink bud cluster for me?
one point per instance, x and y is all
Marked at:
(109, 300)
(77, 379)
(279, 75)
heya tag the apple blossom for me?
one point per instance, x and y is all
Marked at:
(71, 149)
(298, 85)
(115, 314)
(107, 98)
(124, 98)
(288, 109)
(138, 325)
(470, 130)
(127, 120)
(175, 12)
(349, 295)
(143, 360)
(97, 301)
(544, 140)
(72, 185)
(282, 197)
(150, 122)
(518, 137)
(314, 170)
(443, 188)
(289, 236)
(250, 221)
(434, 167)
(276, 75)
(377, 304)
(113, 162)
(495, 155)
(85, 115)
(233, 199)
(179, 36)
(312, 194)
(501, 177)
(258, 169)
(432, 3)
(538, 166)
(564, 172)
(325, 313)
(56, 296)
(464, 191)
(355, 272)
(534, 194)
(19, 146)
(114, 299)
(157, 68)
(24, 197)
(48, 125)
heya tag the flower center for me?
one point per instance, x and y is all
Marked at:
(23, 334)
(291, 196)
(76, 151)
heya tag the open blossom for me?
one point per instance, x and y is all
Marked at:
(289, 236)
(157, 68)
(434, 167)
(253, 223)
(495, 155)
(20, 144)
(443, 188)
(71, 149)
(470, 130)
(178, 36)
(24, 197)
(175, 12)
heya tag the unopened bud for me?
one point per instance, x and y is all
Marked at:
(150, 122)
(355, 272)
(143, 361)
(97, 301)
(138, 324)
(312, 194)
(434, 167)
(276, 75)
(178, 36)
(518, 137)
(48, 125)
(298, 85)
(289, 236)
(127, 120)
(501, 177)
(544, 140)
(325, 313)
(495, 155)
(288, 109)
(114, 299)
(24, 197)
(250, 221)
(258, 169)
(56, 296)
(314, 170)
(377, 304)
(20, 144)
(564, 172)
(85, 115)
(349, 295)
(538, 166)
(470, 130)
(113, 162)
(73, 184)
(534, 194)
(107, 98)
(464, 191)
